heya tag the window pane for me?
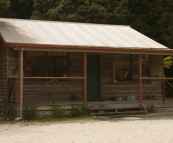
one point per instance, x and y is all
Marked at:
(54, 64)
(135, 65)
(122, 68)
(57, 65)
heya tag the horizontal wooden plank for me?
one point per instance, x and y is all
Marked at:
(114, 106)
(49, 108)
(117, 113)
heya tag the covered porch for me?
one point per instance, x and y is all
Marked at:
(75, 88)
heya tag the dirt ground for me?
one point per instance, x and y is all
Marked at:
(152, 128)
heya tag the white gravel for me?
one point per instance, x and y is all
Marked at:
(132, 130)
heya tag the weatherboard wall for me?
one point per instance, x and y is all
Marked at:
(48, 93)
(123, 90)
(108, 88)
(3, 71)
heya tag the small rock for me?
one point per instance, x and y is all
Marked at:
(19, 119)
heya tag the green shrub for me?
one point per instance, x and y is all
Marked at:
(29, 113)
(69, 114)
(85, 109)
(151, 108)
(78, 110)
(57, 111)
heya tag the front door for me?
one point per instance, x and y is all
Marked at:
(93, 77)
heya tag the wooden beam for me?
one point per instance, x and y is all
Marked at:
(39, 77)
(21, 80)
(85, 79)
(163, 90)
(41, 47)
(140, 78)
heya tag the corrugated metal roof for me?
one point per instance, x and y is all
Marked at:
(73, 34)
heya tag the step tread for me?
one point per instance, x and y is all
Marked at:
(109, 106)
(113, 108)
(110, 113)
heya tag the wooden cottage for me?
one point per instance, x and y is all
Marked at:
(46, 62)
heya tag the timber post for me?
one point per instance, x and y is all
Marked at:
(21, 80)
(85, 77)
(163, 90)
(140, 78)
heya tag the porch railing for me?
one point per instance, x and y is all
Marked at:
(166, 84)
(13, 93)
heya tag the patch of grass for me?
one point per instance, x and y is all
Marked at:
(69, 114)
(79, 110)
(76, 110)
(151, 108)
(30, 113)
(57, 112)
(85, 109)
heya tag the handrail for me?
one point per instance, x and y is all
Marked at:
(162, 80)
(81, 78)
(158, 78)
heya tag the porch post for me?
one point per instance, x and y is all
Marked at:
(163, 90)
(21, 80)
(85, 77)
(140, 78)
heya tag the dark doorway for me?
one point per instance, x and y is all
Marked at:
(93, 77)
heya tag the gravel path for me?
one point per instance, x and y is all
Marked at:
(97, 130)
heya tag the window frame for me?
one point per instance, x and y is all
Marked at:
(46, 66)
(132, 80)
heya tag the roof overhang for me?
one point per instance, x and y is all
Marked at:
(132, 50)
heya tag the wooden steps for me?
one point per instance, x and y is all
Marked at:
(119, 113)
(116, 109)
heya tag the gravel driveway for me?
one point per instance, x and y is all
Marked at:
(136, 129)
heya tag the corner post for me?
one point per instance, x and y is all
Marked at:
(163, 90)
(140, 78)
(21, 80)
(85, 78)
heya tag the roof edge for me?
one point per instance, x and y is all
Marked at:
(36, 47)
(64, 22)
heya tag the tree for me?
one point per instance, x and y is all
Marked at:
(4, 6)
(168, 62)
(41, 7)
(20, 9)
(97, 14)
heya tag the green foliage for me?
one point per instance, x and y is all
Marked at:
(151, 108)
(4, 6)
(20, 9)
(78, 110)
(69, 114)
(85, 109)
(29, 113)
(57, 111)
(168, 61)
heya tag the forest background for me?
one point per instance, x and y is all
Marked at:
(153, 18)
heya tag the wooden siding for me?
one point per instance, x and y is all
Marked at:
(109, 88)
(117, 89)
(46, 93)
(3, 72)
(13, 61)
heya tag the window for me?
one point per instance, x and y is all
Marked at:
(135, 65)
(122, 66)
(126, 68)
(46, 64)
